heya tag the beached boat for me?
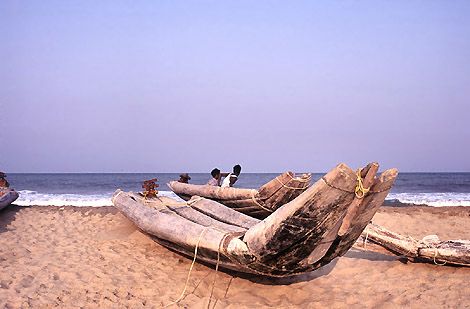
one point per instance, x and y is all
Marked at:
(319, 225)
(429, 249)
(258, 203)
(7, 196)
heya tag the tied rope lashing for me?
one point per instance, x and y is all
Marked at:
(360, 191)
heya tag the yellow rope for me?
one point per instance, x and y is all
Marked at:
(189, 273)
(360, 191)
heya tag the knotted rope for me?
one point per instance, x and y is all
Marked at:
(360, 191)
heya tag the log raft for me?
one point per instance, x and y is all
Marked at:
(283, 244)
(258, 203)
(429, 249)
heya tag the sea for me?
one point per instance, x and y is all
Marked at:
(96, 189)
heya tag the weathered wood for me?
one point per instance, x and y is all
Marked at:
(294, 230)
(175, 229)
(392, 241)
(320, 250)
(283, 189)
(283, 244)
(428, 249)
(257, 203)
(193, 215)
(7, 196)
(369, 206)
(353, 209)
(212, 192)
(224, 214)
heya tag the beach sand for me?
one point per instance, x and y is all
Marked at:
(82, 257)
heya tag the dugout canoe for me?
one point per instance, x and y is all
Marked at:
(319, 225)
(258, 203)
(7, 196)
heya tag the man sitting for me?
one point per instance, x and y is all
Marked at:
(215, 180)
(231, 178)
(184, 178)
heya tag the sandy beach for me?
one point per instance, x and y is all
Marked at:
(83, 257)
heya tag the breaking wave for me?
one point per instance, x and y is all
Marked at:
(33, 198)
(431, 199)
(30, 198)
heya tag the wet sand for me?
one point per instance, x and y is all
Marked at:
(82, 257)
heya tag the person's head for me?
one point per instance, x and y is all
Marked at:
(237, 169)
(215, 173)
(184, 178)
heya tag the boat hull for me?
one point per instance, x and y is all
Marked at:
(7, 197)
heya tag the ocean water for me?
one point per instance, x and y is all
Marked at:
(433, 189)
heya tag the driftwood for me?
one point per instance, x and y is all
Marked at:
(284, 244)
(428, 249)
(256, 203)
(7, 196)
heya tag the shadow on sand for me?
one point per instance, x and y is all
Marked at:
(7, 215)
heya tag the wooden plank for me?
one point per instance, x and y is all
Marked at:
(294, 230)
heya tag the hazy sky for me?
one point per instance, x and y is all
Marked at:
(170, 86)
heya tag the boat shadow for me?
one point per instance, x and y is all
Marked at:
(353, 253)
(318, 273)
(8, 215)
(305, 277)
(373, 256)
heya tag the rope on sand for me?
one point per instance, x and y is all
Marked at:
(216, 269)
(192, 265)
(189, 272)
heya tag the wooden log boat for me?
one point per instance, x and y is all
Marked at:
(429, 249)
(7, 196)
(319, 225)
(255, 203)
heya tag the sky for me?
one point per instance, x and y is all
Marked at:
(170, 86)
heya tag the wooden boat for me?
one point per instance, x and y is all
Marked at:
(319, 225)
(255, 203)
(429, 249)
(7, 196)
